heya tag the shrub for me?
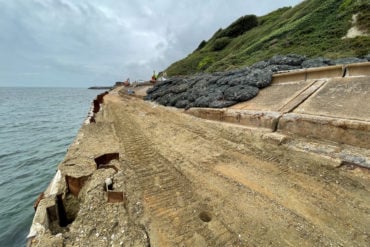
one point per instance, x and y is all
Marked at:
(220, 43)
(240, 26)
(201, 45)
(363, 19)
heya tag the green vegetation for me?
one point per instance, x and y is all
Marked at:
(220, 43)
(313, 28)
(240, 26)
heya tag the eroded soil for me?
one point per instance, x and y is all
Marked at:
(191, 182)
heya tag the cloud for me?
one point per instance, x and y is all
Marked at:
(80, 43)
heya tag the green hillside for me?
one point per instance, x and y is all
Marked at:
(312, 28)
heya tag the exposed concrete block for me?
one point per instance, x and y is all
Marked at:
(351, 132)
(207, 113)
(299, 75)
(275, 138)
(325, 72)
(262, 119)
(41, 220)
(358, 69)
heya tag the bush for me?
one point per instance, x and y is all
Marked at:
(363, 19)
(240, 26)
(220, 43)
(201, 45)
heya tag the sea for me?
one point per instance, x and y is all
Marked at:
(37, 125)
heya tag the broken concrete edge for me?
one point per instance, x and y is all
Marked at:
(40, 221)
(95, 107)
(350, 70)
(66, 182)
(335, 155)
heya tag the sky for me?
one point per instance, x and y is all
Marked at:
(81, 43)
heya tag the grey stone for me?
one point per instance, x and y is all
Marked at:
(260, 65)
(291, 59)
(240, 93)
(316, 62)
(182, 104)
(222, 103)
(348, 60)
(259, 78)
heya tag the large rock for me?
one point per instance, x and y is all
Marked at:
(316, 62)
(223, 89)
(291, 59)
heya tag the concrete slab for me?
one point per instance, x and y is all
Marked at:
(274, 97)
(347, 98)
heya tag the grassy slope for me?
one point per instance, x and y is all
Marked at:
(313, 28)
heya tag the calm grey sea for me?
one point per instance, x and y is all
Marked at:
(36, 127)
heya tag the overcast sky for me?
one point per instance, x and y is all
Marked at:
(80, 43)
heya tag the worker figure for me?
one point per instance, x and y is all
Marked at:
(154, 76)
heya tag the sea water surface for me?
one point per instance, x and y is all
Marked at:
(36, 127)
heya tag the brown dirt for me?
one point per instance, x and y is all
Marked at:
(193, 182)
(202, 183)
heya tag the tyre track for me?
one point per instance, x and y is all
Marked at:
(166, 193)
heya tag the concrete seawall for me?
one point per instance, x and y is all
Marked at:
(324, 104)
(132, 178)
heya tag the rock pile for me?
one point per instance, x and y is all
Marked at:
(223, 89)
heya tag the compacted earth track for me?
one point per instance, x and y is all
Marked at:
(193, 182)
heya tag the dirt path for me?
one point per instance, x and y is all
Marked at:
(192, 182)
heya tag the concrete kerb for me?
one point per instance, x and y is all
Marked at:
(358, 69)
(351, 132)
(260, 119)
(310, 74)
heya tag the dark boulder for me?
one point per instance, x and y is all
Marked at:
(316, 62)
(291, 59)
(222, 103)
(240, 93)
(259, 78)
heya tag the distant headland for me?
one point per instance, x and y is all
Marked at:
(100, 87)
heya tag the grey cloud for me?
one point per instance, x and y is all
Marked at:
(79, 43)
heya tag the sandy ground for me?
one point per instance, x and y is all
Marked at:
(192, 182)
(203, 183)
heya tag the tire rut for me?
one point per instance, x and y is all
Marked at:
(166, 193)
